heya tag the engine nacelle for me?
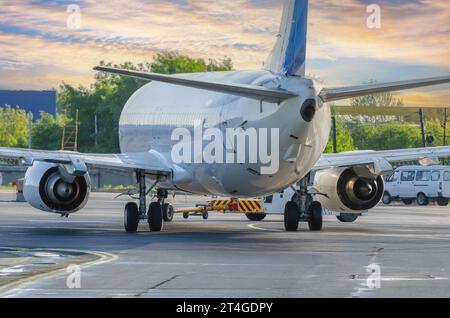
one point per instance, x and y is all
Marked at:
(46, 189)
(348, 189)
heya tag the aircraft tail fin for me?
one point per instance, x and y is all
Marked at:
(289, 54)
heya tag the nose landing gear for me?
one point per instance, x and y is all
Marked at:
(302, 208)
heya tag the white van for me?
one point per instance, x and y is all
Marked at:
(424, 184)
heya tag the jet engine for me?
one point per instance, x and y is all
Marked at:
(49, 187)
(348, 189)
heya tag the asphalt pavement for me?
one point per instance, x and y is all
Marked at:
(395, 251)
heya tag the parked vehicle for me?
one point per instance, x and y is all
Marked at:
(418, 183)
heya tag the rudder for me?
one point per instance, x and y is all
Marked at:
(289, 54)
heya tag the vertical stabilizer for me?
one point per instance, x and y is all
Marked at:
(289, 54)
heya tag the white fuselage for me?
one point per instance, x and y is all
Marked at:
(157, 109)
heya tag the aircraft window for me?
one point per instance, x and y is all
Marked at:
(408, 175)
(423, 175)
(268, 199)
(435, 176)
(447, 176)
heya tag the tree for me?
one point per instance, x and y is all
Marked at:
(13, 127)
(385, 136)
(344, 138)
(47, 132)
(175, 63)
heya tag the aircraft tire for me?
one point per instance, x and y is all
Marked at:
(168, 212)
(316, 219)
(155, 217)
(258, 217)
(291, 216)
(347, 217)
(131, 217)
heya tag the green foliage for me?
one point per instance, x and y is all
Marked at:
(385, 136)
(174, 63)
(47, 132)
(13, 127)
(344, 138)
(120, 188)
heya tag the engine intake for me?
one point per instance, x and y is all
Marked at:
(47, 189)
(344, 190)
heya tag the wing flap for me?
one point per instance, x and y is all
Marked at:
(334, 94)
(249, 91)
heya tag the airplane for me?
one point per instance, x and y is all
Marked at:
(279, 97)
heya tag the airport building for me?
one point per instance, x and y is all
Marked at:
(31, 101)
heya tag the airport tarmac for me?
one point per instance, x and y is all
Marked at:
(395, 251)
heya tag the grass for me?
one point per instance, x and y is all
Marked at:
(116, 188)
(120, 188)
(7, 187)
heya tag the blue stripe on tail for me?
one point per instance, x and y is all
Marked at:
(294, 62)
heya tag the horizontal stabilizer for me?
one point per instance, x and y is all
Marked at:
(334, 94)
(249, 91)
(370, 158)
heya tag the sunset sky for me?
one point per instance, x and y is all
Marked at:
(39, 51)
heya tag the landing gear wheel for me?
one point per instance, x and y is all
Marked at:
(291, 216)
(347, 217)
(155, 217)
(256, 216)
(387, 198)
(186, 215)
(205, 215)
(422, 199)
(131, 217)
(315, 217)
(168, 212)
(408, 201)
(442, 202)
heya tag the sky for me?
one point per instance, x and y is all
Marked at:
(41, 45)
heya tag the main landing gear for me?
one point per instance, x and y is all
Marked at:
(156, 213)
(302, 208)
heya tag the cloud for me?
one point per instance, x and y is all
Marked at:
(39, 51)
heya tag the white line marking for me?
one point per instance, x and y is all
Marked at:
(11, 270)
(400, 279)
(255, 227)
(13, 289)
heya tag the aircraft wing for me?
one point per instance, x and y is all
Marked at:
(380, 161)
(151, 162)
(250, 91)
(334, 94)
